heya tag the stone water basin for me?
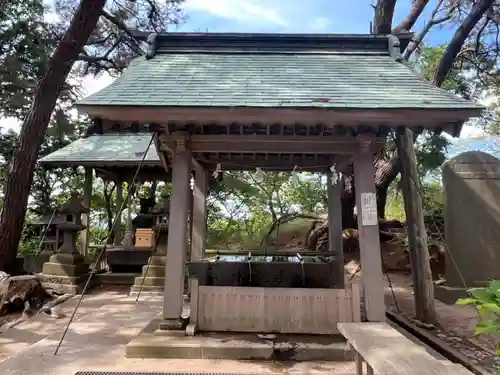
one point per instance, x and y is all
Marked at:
(261, 271)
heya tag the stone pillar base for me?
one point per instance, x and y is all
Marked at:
(152, 278)
(173, 326)
(65, 273)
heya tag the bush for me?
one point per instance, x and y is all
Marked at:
(487, 302)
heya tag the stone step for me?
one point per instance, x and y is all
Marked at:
(149, 281)
(153, 270)
(239, 346)
(158, 260)
(116, 278)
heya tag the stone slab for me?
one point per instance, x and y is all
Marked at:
(18, 338)
(60, 269)
(471, 183)
(112, 278)
(237, 346)
(65, 284)
(96, 342)
(146, 291)
(153, 270)
(120, 258)
(448, 294)
(149, 281)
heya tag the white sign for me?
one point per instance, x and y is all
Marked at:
(369, 209)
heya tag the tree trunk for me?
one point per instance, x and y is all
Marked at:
(109, 187)
(35, 124)
(384, 12)
(455, 46)
(417, 7)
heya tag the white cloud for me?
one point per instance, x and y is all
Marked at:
(91, 84)
(10, 123)
(320, 24)
(240, 10)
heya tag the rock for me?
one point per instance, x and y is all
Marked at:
(21, 293)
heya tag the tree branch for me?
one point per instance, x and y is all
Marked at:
(412, 47)
(409, 21)
(458, 40)
(121, 26)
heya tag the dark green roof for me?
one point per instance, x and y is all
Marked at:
(105, 150)
(330, 71)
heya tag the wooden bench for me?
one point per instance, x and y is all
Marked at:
(387, 352)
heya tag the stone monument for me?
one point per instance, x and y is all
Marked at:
(143, 223)
(128, 259)
(152, 278)
(471, 183)
(144, 219)
(66, 271)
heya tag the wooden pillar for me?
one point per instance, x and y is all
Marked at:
(199, 214)
(128, 241)
(87, 202)
(369, 239)
(197, 240)
(119, 203)
(335, 241)
(177, 239)
(190, 221)
(417, 235)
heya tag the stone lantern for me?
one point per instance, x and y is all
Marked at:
(142, 224)
(152, 278)
(160, 213)
(66, 270)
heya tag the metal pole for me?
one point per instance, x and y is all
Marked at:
(92, 272)
(45, 233)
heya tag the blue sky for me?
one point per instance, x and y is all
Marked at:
(292, 16)
(284, 16)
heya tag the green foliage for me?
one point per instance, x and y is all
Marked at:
(458, 80)
(487, 302)
(243, 205)
(25, 48)
(112, 45)
(395, 205)
(430, 150)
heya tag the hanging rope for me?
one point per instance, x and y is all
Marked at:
(102, 251)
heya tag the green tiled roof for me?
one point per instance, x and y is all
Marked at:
(105, 150)
(297, 77)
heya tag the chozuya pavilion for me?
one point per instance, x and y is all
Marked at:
(278, 102)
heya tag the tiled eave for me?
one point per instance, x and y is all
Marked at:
(161, 118)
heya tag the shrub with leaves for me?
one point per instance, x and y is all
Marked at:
(487, 302)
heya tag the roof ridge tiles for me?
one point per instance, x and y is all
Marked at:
(277, 43)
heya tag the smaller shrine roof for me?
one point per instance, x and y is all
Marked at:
(105, 150)
(73, 205)
(47, 218)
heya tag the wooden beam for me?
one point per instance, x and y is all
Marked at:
(161, 155)
(273, 144)
(417, 234)
(391, 117)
